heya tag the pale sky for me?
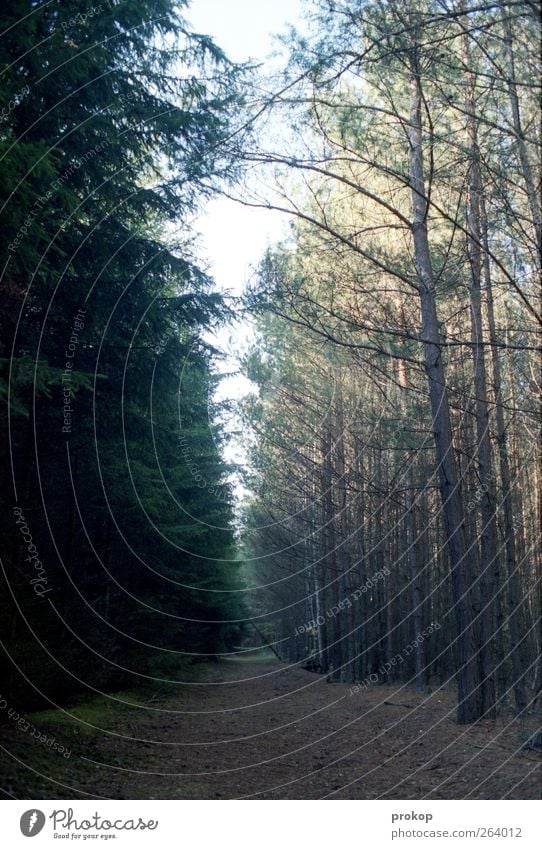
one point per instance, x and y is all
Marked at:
(234, 237)
(243, 28)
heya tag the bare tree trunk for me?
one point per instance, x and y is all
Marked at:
(343, 559)
(470, 706)
(514, 593)
(360, 603)
(330, 548)
(530, 188)
(536, 213)
(415, 562)
(488, 536)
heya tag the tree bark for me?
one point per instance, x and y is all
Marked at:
(488, 535)
(470, 706)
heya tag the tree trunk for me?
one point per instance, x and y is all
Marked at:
(514, 593)
(488, 536)
(468, 674)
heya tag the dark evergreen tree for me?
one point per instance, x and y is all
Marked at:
(112, 128)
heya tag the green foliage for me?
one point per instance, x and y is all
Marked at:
(112, 129)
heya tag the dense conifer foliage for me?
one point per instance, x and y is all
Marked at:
(118, 557)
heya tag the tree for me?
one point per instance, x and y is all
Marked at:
(113, 130)
(401, 144)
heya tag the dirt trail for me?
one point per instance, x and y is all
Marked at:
(262, 730)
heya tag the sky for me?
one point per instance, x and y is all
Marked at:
(234, 237)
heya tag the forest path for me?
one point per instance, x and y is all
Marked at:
(263, 730)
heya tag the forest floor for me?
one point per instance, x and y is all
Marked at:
(254, 728)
